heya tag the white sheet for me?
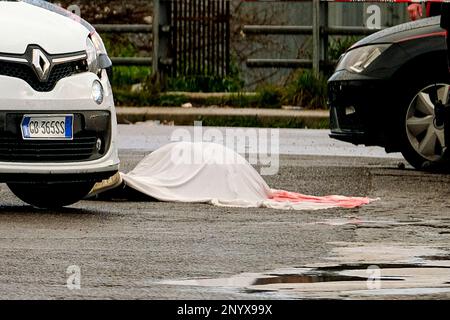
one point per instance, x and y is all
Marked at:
(211, 173)
(198, 172)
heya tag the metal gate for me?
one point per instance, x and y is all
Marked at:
(199, 37)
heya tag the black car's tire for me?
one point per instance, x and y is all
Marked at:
(421, 140)
(51, 196)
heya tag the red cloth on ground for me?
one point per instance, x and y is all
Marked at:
(338, 201)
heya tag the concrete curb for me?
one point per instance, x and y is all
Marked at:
(229, 117)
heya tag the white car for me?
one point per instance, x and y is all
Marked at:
(57, 116)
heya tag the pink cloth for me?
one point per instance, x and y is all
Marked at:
(338, 201)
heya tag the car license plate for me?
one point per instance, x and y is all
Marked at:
(47, 127)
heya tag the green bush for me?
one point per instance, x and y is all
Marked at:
(270, 96)
(307, 90)
(304, 89)
(207, 82)
(124, 77)
(339, 45)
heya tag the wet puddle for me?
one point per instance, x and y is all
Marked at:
(316, 276)
(305, 278)
(381, 224)
(437, 258)
(381, 271)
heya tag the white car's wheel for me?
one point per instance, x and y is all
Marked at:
(424, 138)
(51, 196)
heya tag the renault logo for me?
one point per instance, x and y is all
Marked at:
(41, 64)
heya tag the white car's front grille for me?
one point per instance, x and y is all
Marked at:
(26, 73)
(41, 70)
(89, 128)
(78, 149)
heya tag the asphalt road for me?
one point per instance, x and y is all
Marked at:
(147, 250)
(150, 136)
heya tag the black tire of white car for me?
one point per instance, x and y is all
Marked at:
(51, 196)
(409, 138)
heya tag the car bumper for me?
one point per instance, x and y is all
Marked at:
(356, 105)
(72, 95)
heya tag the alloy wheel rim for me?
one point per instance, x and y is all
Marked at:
(424, 135)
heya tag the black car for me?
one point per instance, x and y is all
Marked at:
(384, 91)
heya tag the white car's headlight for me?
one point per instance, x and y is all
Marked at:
(359, 59)
(92, 56)
(98, 43)
(97, 57)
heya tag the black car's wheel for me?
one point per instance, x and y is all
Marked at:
(51, 196)
(422, 139)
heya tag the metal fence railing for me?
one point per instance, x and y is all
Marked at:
(126, 28)
(188, 37)
(170, 30)
(300, 30)
(200, 38)
(320, 32)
